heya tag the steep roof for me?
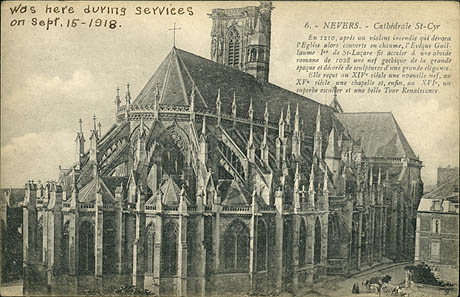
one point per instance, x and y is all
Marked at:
(379, 133)
(447, 190)
(181, 70)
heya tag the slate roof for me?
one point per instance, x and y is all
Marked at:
(379, 133)
(448, 190)
(88, 192)
(180, 70)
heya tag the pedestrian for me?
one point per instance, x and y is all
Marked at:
(379, 288)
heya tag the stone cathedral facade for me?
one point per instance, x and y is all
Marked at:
(214, 180)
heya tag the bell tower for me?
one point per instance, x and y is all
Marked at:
(240, 38)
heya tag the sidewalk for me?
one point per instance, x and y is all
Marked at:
(13, 288)
(341, 286)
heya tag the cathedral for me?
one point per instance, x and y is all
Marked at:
(213, 180)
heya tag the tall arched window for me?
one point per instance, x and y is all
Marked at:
(233, 47)
(149, 248)
(86, 248)
(236, 247)
(317, 252)
(261, 246)
(302, 244)
(333, 245)
(65, 248)
(364, 228)
(109, 253)
(39, 242)
(169, 250)
(191, 250)
(253, 56)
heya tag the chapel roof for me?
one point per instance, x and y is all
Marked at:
(379, 133)
(180, 71)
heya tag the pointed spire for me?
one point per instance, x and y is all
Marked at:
(218, 106)
(288, 115)
(251, 136)
(332, 150)
(266, 114)
(203, 127)
(318, 119)
(264, 140)
(128, 95)
(99, 126)
(281, 125)
(325, 182)
(311, 188)
(234, 109)
(297, 121)
(94, 122)
(192, 99)
(80, 121)
(117, 97)
(251, 111)
(335, 103)
(234, 105)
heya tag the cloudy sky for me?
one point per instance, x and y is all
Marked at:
(51, 78)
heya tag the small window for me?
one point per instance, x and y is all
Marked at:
(435, 248)
(436, 226)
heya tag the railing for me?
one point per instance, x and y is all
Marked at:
(172, 208)
(66, 204)
(150, 207)
(191, 208)
(208, 208)
(236, 208)
(87, 206)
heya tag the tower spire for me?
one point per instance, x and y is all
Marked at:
(251, 111)
(94, 123)
(80, 121)
(218, 107)
(266, 114)
(281, 125)
(234, 109)
(203, 127)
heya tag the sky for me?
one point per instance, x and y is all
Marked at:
(51, 78)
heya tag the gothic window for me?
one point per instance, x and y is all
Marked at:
(364, 236)
(317, 251)
(253, 55)
(65, 248)
(39, 242)
(261, 246)
(302, 244)
(261, 55)
(173, 157)
(149, 248)
(109, 255)
(169, 250)
(233, 47)
(236, 247)
(86, 248)
(191, 250)
(333, 245)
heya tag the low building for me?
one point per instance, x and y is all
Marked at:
(11, 233)
(437, 228)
